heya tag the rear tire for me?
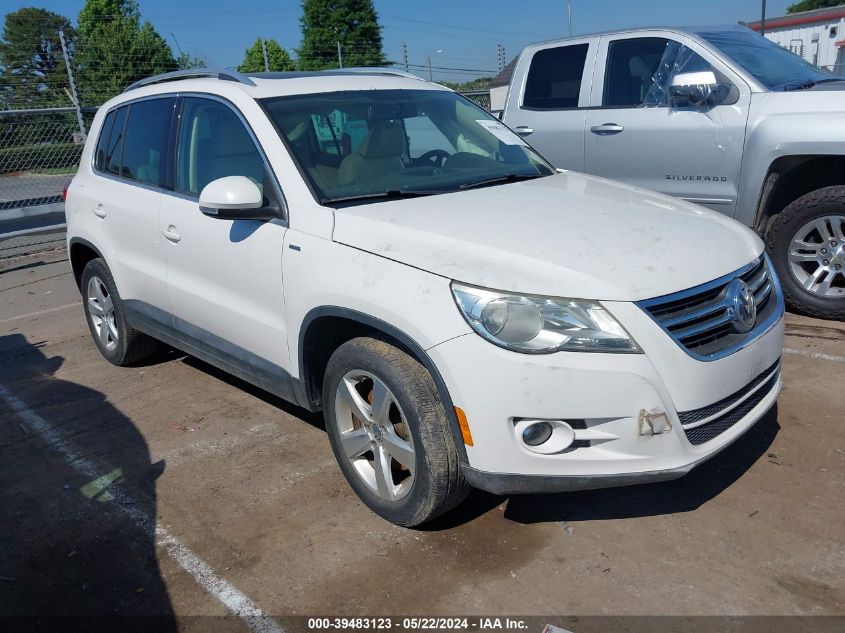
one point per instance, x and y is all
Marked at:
(119, 343)
(800, 239)
(411, 426)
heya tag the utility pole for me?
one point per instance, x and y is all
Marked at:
(569, 12)
(429, 69)
(405, 55)
(339, 55)
(264, 52)
(763, 19)
(73, 93)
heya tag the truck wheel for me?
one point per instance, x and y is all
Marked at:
(118, 343)
(807, 245)
(389, 432)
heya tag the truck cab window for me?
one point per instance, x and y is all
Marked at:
(554, 79)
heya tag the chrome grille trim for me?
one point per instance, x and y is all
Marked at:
(699, 321)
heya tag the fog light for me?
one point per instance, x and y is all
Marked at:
(544, 437)
(537, 433)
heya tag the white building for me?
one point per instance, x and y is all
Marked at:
(817, 36)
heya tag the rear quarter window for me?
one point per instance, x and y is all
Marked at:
(101, 158)
(114, 149)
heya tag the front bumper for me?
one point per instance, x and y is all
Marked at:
(604, 395)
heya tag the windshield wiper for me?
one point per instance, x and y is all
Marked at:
(804, 85)
(499, 180)
(390, 194)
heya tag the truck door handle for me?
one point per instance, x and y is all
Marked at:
(607, 128)
(523, 130)
(99, 211)
(171, 234)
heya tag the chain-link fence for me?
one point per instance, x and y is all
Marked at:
(481, 97)
(39, 152)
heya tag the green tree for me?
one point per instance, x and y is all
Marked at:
(32, 67)
(277, 58)
(185, 61)
(809, 5)
(353, 23)
(115, 48)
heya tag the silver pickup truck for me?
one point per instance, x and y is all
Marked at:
(719, 116)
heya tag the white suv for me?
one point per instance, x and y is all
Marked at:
(379, 248)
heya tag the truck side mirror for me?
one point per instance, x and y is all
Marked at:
(694, 89)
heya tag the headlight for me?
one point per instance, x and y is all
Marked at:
(541, 325)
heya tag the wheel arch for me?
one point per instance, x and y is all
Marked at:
(80, 252)
(790, 177)
(326, 328)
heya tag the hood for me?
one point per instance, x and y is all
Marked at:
(826, 98)
(567, 235)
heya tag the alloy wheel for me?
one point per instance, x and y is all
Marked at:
(374, 436)
(101, 313)
(817, 256)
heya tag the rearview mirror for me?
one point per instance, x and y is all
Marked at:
(234, 198)
(693, 89)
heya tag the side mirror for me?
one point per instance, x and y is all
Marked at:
(234, 198)
(693, 89)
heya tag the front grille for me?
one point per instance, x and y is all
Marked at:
(696, 415)
(700, 319)
(712, 428)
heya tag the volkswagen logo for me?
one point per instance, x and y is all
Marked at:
(741, 307)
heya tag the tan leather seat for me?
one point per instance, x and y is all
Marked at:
(379, 154)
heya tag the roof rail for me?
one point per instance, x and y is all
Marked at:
(223, 74)
(375, 70)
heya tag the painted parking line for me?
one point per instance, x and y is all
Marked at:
(32, 315)
(803, 352)
(198, 569)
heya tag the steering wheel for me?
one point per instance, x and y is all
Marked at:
(435, 157)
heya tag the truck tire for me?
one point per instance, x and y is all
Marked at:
(119, 343)
(389, 432)
(806, 242)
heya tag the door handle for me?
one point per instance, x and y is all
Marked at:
(171, 234)
(607, 128)
(523, 130)
(99, 211)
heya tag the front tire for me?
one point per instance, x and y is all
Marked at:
(119, 343)
(807, 244)
(389, 432)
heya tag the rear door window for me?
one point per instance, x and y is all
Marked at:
(554, 78)
(145, 146)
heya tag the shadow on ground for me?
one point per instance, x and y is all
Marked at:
(73, 544)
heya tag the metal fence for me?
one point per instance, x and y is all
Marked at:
(481, 97)
(39, 152)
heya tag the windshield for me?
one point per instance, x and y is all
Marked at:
(775, 67)
(376, 144)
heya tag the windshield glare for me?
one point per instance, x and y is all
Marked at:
(775, 67)
(377, 143)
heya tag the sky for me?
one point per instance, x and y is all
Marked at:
(457, 34)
